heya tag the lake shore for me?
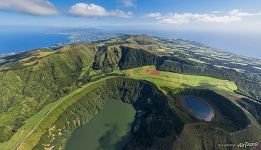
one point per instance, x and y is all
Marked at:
(210, 116)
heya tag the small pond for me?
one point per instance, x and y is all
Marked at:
(109, 129)
(199, 108)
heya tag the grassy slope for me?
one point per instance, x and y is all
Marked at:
(166, 79)
(28, 135)
(45, 73)
(177, 81)
(26, 89)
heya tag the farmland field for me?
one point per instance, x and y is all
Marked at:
(177, 81)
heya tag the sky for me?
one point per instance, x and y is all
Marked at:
(199, 15)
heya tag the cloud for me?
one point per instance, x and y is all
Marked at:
(239, 13)
(120, 13)
(213, 17)
(93, 10)
(32, 7)
(156, 15)
(127, 3)
(89, 10)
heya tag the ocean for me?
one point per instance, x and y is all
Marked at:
(244, 44)
(21, 41)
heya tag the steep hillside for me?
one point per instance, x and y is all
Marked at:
(30, 83)
(46, 93)
(193, 58)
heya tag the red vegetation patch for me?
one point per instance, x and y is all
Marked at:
(129, 72)
(153, 72)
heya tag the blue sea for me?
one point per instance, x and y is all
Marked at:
(244, 44)
(19, 39)
(241, 43)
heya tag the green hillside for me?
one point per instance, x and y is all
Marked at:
(46, 93)
(32, 82)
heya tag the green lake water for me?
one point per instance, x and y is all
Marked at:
(109, 129)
